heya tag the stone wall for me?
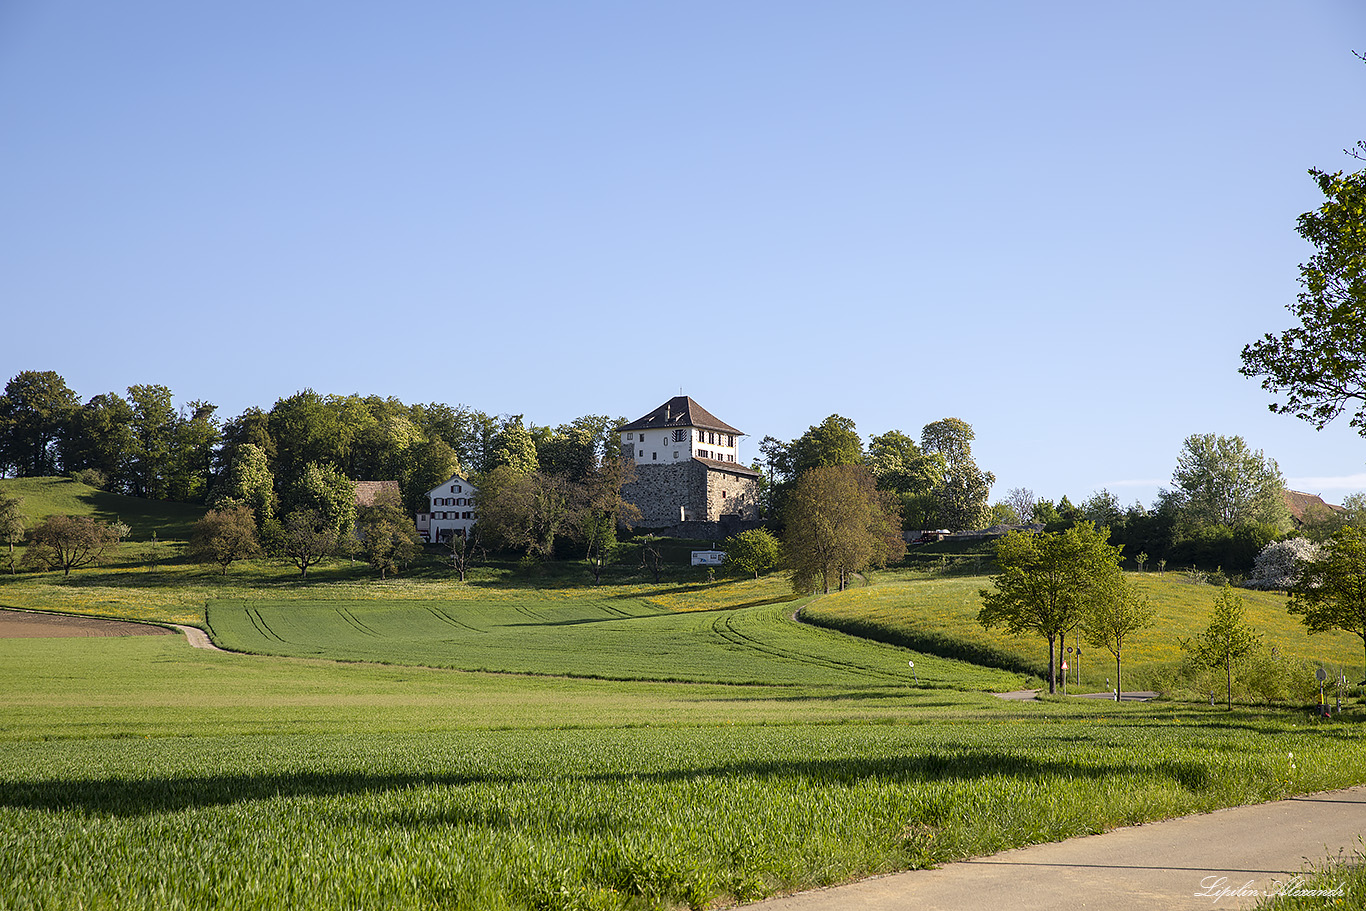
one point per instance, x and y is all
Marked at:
(689, 491)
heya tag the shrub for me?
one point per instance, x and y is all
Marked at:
(1278, 564)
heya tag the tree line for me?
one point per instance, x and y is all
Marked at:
(140, 444)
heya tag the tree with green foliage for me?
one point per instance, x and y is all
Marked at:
(99, 436)
(70, 542)
(324, 489)
(153, 433)
(305, 538)
(834, 441)
(524, 510)
(1331, 590)
(1114, 614)
(901, 466)
(11, 524)
(1319, 366)
(1227, 640)
(248, 481)
(430, 462)
(1219, 480)
(837, 524)
(34, 409)
(513, 447)
(224, 536)
(385, 534)
(964, 490)
(1046, 583)
(194, 440)
(753, 551)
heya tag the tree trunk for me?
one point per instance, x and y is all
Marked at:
(1119, 687)
(1228, 670)
(1052, 668)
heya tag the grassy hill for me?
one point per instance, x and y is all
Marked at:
(940, 616)
(62, 496)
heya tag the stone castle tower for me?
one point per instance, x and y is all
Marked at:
(686, 469)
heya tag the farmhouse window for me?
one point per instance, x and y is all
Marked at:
(630, 436)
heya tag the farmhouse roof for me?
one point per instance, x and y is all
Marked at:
(1302, 505)
(368, 491)
(680, 411)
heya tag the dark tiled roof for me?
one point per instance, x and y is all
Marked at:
(732, 467)
(680, 411)
(367, 491)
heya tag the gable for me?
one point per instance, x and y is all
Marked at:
(680, 411)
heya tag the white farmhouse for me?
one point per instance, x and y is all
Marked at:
(450, 511)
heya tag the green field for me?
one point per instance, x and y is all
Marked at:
(531, 742)
(617, 637)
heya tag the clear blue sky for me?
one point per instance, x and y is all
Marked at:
(1058, 221)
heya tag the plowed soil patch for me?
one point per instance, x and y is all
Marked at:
(24, 625)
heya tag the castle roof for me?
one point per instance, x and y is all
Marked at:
(680, 411)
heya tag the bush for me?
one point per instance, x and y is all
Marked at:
(1278, 565)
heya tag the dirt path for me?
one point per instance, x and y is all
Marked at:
(1225, 859)
(198, 638)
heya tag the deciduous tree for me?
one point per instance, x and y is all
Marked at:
(963, 493)
(1331, 591)
(11, 524)
(224, 536)
(1227, 640)
(838, 523)
(1046, 582)
(306, 538)
(1319, 366)
(69, 542)
(1221, 481)
(753, 551)
(385, 534)
(34, 409)
(1113, 616)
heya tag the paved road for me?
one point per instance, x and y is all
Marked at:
(1189, 863)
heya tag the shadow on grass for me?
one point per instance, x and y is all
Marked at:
(137, 797)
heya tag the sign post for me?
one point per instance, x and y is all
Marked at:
(914, 673)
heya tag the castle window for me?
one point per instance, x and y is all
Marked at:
(701, 436)
(642, 453)
(654, 457)
(675, 453)
(680, 435)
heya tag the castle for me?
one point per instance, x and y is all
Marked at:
(686, 473)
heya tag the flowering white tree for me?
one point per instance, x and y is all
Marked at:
(1278, 565)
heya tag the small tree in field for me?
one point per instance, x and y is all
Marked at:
(225, 535)
(385, 534)
(306, 539)
(462, 550)
(11, 524)
(1226, 640)
(754, 551)
(1117, 612)
(69, 542)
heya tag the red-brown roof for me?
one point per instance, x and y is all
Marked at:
(1303, 504)
(680, 411)
(367, 491)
